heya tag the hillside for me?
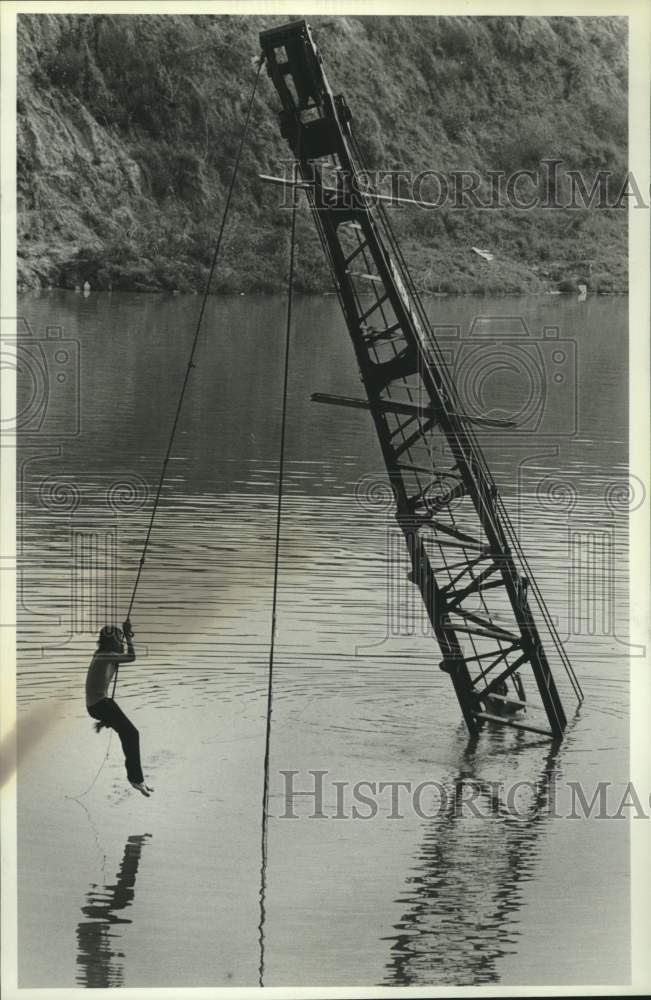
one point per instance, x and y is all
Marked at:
(128, 127)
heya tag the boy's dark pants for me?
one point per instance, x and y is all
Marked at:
(108, 712)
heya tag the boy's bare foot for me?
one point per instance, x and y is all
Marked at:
(142, 787)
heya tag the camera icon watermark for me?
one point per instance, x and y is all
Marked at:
(47, 371)
(74, 542)
(586, 529)
(504, 375)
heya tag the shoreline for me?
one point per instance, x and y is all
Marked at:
(282, 293)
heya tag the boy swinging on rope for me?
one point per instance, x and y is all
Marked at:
(103, 666)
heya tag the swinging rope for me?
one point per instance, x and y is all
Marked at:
(195, 341)
(76, 798)
(274, 600)
(186, 378)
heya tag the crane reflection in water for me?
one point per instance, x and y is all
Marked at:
(96, 936)
(461, 915)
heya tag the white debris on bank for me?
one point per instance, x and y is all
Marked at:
(485, 254)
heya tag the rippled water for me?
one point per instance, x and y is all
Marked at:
(164, 892)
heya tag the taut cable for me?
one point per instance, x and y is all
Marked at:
(274, 601)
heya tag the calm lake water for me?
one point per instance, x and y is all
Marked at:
(117, 890)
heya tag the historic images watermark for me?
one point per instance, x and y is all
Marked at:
(519, 388)
(83, 519)
(549, 186)
(318, 794)
(503, 370)
(47, 371)
(86, 522)
(591, 591)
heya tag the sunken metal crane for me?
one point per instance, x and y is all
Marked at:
(465, 557)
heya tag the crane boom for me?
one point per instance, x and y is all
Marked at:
(465, 558)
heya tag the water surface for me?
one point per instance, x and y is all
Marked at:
(164, 892)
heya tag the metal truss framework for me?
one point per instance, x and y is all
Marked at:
(466, 560)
